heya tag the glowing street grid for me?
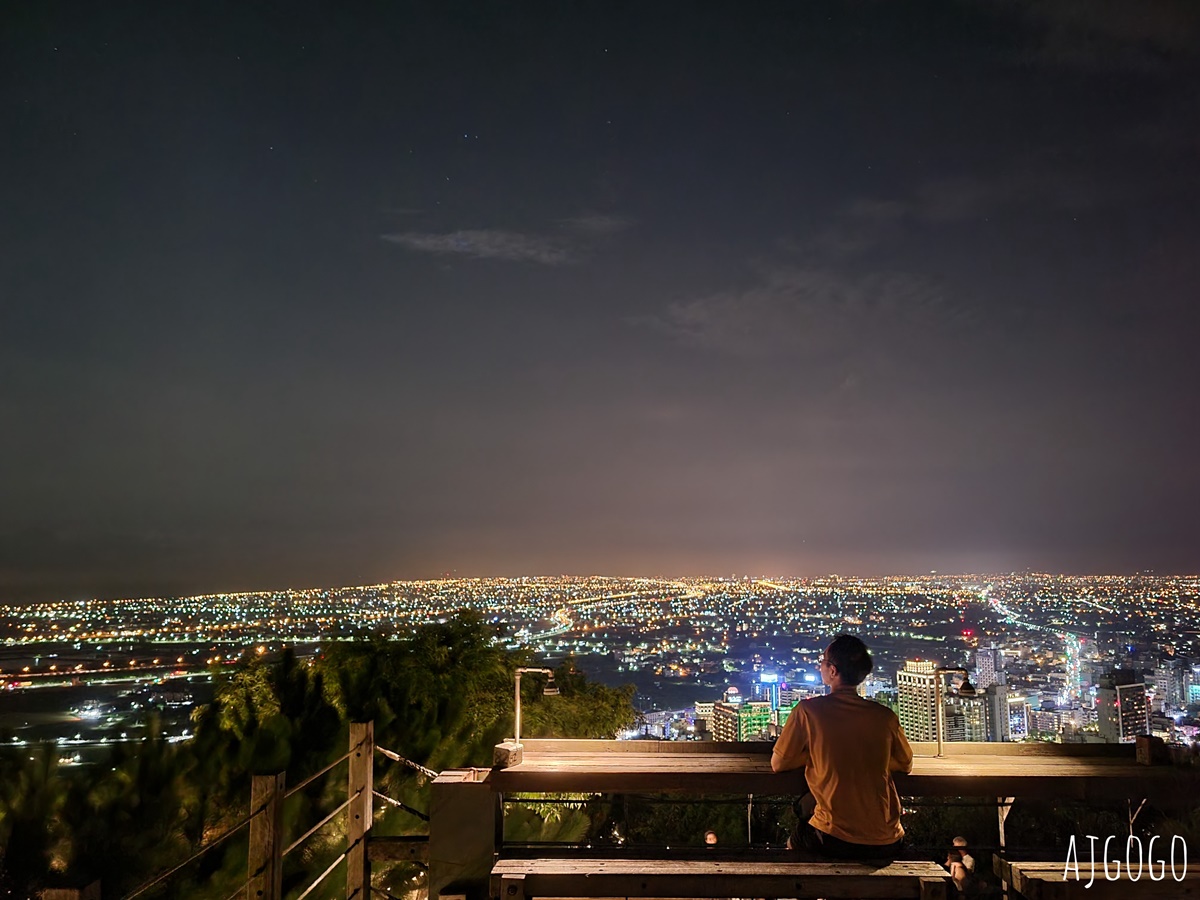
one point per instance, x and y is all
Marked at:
(1057, 634)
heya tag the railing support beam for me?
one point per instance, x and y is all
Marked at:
(1003, 808)
(265, 864)
(359, 813)
(464, 832)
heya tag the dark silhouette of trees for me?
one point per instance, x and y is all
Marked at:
(136, 812)
(440, 696)
(31, 796)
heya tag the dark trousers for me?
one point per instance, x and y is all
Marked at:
(811, 842)
(827, 846)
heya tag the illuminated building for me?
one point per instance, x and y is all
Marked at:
(965, 718)
(1170, 684)
(768, 688)
(917, 699)
(1122, 708)
(745, 721)
(724, 722)
(1018, 718)
(997, 713)
(989, 667)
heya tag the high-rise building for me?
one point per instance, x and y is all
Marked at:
(1170, 684)
(989, 667)
(723, 724)
(1122, 709)
(746, 721)
(754, 721)
(768, 688)
(1018, 718)
(917, 699)
(1191, 684)
(997, 721)
(965, 718)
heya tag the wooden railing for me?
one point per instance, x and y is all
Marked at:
(267, 851)
(466, 805)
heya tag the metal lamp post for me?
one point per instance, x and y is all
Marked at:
(966, 689)
(550, 690)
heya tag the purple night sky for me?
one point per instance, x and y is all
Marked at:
(325, 293)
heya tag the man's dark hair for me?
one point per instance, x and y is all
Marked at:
(850, 657)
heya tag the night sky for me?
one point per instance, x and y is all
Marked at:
(297, 294)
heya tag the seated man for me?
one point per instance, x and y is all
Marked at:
(960, 844)
(848, 746)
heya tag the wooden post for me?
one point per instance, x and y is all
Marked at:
(359, 813)
(464, 833)
(934, 888)
(265, 865)
(1003, 808)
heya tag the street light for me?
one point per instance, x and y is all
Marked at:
(550, 690)
(966, 689)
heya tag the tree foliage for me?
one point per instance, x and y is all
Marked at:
(440, 696)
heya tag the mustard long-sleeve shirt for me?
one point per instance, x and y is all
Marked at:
(849, 747)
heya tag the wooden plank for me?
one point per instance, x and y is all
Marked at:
(1002, 867)
(588, 867)
(644, 748)
(1042, 880)
(1062, 776)
(712, 878)
(1062, 786)
(950, 749)
(998, 765)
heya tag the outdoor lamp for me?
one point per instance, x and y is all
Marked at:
(550, 690)
(965, 689)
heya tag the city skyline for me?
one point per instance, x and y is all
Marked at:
(336, 295)
(1043, 652)
(210, 590)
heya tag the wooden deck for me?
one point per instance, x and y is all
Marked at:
(524, 879)
(1053, 881)
(1077, 772)
(466, 812)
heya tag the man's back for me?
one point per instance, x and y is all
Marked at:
(848, 746)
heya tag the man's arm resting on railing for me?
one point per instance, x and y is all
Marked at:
(902, 755)
(791, 750)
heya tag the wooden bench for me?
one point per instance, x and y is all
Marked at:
(522, 879)
(1040, 880)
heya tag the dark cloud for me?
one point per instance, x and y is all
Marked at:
(821, 312)
(1040, 187)
(1149, 36)
(487, 244)
(598, 224)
